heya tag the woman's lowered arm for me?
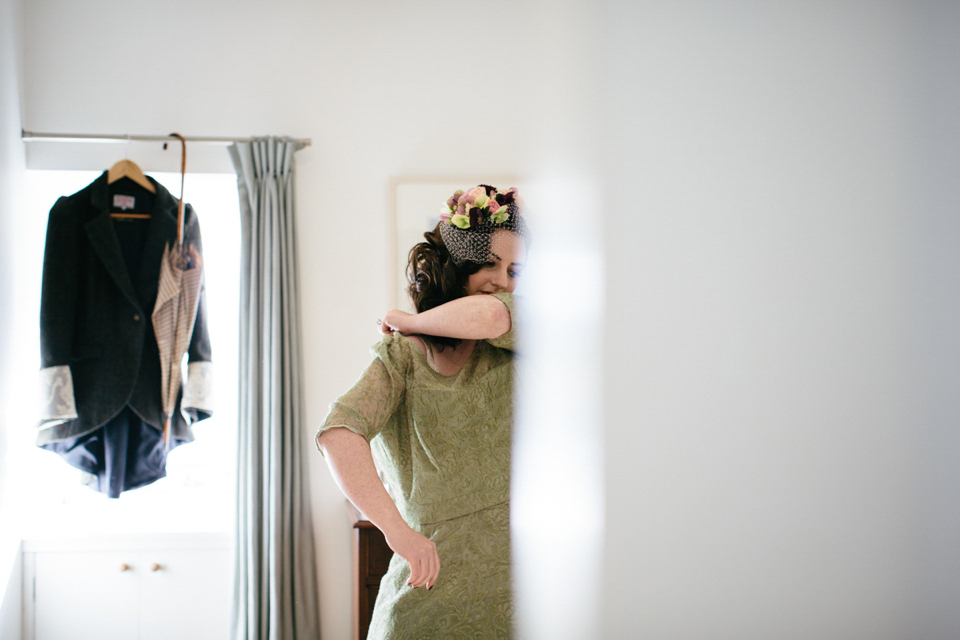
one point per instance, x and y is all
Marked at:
(351, 463)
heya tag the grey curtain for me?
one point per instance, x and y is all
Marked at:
(275, 589)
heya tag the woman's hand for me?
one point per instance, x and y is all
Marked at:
(397, 320)
(420, 553)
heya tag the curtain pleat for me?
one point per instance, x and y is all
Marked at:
(275, 589)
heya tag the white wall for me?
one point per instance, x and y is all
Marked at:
(383, 90)
(781, 345)
(780, 251)
(11, 166)
(11, 171)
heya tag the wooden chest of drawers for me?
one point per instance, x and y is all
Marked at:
(371, 556)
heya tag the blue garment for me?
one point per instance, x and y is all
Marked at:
(126, 453)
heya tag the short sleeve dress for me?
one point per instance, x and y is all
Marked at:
(443, 446)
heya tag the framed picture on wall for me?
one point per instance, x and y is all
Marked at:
(415, 208)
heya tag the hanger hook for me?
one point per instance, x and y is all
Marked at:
(126, 153)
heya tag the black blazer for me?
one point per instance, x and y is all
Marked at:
(97, 342)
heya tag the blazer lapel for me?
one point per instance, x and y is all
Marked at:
(104, 241)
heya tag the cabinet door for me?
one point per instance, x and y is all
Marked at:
(187, 597)
(85, 596)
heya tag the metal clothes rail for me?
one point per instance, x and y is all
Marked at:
(28, 136)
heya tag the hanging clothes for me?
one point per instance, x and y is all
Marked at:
(100, 364)
(126, 453)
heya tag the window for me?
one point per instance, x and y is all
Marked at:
(198, 492)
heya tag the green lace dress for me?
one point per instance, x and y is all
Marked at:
(443, 446)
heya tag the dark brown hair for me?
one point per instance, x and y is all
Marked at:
(434, 279)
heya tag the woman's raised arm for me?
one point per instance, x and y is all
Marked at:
(477, 317)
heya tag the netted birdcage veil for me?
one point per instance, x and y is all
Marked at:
(471, 217)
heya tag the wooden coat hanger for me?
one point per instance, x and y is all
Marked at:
(128, 169)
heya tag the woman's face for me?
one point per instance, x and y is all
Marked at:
(508, 252)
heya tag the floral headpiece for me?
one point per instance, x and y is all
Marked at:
(470, 218)
(483, 203)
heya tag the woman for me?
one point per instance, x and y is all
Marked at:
(435, 408)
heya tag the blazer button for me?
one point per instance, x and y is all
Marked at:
(136, 317)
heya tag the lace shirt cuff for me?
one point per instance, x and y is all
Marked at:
(198, 389)
(57, 404)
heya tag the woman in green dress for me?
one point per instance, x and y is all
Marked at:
(434, 409)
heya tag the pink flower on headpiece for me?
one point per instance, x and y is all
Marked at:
(456, 196)
(475, 193)
(493, 205)
(446, 216)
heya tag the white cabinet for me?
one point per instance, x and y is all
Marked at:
(82, 595)
(128, 588)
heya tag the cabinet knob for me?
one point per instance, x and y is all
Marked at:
(124, 567)
(155, 567)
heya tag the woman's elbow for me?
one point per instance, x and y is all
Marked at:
(498, 318)
(336, 438)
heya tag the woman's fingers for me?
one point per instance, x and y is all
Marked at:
(424, 571)
(421, 556)
(397, 320)
(433, 571)
(421, 574)
(384, 328)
